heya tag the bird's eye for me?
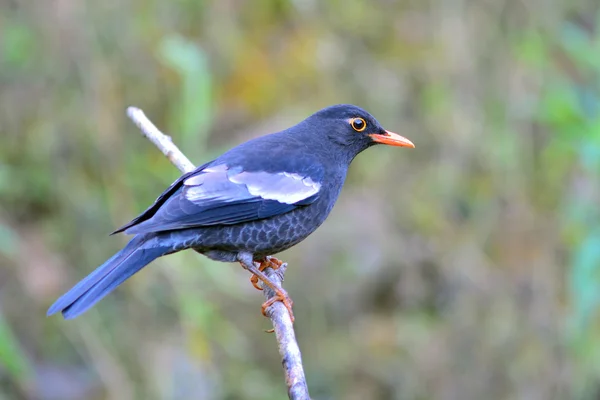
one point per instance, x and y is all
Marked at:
(358, 124)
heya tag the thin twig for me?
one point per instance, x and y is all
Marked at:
(160, 140)
(282, 323)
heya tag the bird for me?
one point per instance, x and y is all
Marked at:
(252, 202)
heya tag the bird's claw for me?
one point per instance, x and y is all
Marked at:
(254, 282)
(257, 268)
(275, 263)
(280, 295)
(267, 262)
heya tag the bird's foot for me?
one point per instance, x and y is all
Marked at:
(267, 262)
(245, 259)
(282, 296)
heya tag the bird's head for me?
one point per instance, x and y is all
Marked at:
(353, 129)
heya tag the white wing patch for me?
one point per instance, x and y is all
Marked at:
(212, 184)
(283, 187)
(215, 184)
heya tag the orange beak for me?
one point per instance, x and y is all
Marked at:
(392, 139)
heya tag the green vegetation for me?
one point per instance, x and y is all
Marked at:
(468, 268)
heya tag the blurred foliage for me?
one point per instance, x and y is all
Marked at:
(468, 268)
(11, 356)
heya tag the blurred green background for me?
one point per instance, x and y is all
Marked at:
(467, 268)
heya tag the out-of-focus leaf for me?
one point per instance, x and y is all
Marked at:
(585, 280)
(4, 178)
(8, 241)
(17, 44)
(12, 358)
(559, 108)
(192, 116)
(578, 44)
(532, 48)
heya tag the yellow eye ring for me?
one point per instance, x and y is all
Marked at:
(358, 124)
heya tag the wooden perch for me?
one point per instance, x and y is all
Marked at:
(277, 313)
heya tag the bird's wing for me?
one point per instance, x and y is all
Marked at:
(150, 211)
(220, 195)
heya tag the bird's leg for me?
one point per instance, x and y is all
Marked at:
(267, 262)
(245, 259)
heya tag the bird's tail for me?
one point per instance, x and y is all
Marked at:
(138, 253)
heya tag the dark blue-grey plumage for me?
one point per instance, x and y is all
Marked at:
(261, 197)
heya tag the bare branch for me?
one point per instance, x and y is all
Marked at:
(286, 339)
(160, 140)
(282, 323)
